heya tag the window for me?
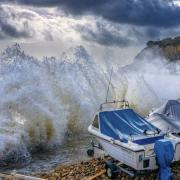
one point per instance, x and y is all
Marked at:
(96, 122)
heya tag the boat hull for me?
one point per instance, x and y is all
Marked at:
(136, 156)
(127, 153)
(134, 159)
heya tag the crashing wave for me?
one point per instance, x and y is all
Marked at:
(150, 80)
(42, 100)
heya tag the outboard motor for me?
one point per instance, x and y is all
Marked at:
(164, 153)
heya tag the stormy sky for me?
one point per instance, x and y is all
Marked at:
(47, 27)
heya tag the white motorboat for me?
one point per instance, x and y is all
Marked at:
(129, 138)
(167, 117)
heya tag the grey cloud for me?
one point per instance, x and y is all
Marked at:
(144, 19)
(11, 31)
(137, 12)
(103, 36)
(112, 34)
(48, 36)
(8, 30)
(143, 34)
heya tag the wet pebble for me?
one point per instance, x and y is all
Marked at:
(84, 170)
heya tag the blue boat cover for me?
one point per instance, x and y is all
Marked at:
(164, 154)
(121, 124)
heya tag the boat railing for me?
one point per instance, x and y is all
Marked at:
(123, 103)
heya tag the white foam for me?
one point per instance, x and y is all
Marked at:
(41, 100)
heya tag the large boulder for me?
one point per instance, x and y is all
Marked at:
(169, 47)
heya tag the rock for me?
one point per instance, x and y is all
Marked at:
(123, 178)
(169, 47)
(53, 178)
(90, 168)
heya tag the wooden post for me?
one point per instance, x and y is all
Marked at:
(96, 175)
(13, 175)
(6, 176)
(20, 176)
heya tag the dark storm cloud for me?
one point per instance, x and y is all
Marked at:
(146, 33)
(152, 33)
(137, 12)
(8, 30)
(103, 36)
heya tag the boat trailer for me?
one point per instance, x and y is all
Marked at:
(112, 166)
(164, 153)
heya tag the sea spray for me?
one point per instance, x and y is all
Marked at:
(150, 80)
(42, 100)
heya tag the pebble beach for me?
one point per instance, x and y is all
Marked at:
(94, 169)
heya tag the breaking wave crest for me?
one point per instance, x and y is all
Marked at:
(150, 80)
(42, 100)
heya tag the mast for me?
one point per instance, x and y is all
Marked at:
(109, 84)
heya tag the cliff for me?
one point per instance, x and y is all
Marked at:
(169, 47)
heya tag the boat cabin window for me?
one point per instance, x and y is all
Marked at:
(96, 122)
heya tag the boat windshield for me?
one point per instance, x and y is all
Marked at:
(96, 122)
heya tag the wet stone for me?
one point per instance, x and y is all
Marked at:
(84, 170)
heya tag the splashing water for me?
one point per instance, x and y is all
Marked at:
(42, 100)
(150, 80)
